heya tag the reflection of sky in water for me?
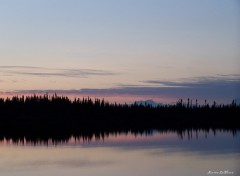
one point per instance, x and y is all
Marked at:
(204, 143)
(159, 154)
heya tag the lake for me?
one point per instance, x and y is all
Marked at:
(194, 153)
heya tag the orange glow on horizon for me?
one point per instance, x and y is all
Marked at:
(111, 98)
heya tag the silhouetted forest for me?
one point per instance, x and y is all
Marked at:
(57, 117)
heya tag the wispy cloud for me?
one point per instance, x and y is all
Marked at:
(221, 88)
(200, 82)
(49, 72)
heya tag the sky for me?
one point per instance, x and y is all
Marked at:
(122, 50)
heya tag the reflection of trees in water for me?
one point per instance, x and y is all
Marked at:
(43, 118)
(93, 136)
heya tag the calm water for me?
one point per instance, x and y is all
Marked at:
(158, 154)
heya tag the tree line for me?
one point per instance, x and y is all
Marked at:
(59, 116)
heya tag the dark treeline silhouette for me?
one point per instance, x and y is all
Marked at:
(56, 117)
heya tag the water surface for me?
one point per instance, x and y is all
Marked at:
(151, 154)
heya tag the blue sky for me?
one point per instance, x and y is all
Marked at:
(76, 45)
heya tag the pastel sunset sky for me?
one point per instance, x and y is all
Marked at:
(123, 50)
